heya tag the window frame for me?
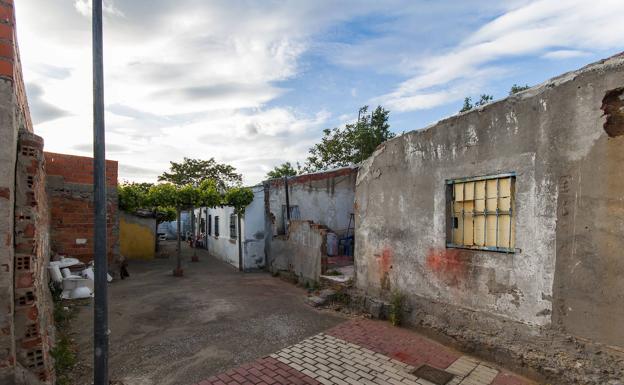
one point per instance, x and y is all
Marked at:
(209, 224)
(451, 218)
(216, 226)
(233, 226)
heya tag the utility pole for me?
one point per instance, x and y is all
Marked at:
(100, 320)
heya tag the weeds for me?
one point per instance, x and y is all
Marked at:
(397, 307)
(63, 351)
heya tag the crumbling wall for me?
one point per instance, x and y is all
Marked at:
(34, 325)
(325, 198)
(559, 140)
(70, 190)
(301, 251)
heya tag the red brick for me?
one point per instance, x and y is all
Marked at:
(6, 68)
(6, 13)
(6, 32)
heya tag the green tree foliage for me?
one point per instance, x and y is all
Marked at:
(136, 196)
(352, 144)
(516, 88)
(285, 169)
(239, 198)
(194, 171)
(209, 195)
(483, 100)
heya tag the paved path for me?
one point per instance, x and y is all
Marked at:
(363, 352)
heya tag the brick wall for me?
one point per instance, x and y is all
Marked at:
(70, 190)
(33, 320)
(14, 116)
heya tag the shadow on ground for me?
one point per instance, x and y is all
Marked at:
(167, 330)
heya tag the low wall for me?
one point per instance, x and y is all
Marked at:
(301, 251)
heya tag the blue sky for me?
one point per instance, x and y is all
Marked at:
(254, 83)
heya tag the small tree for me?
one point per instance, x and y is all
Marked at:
(209, 197)
(516, 88)
(483, 100)
(352, 144)
(285, 169)
(194, 171)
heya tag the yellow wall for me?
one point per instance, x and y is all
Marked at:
(136, 240)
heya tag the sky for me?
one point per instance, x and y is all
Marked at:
(254, 83)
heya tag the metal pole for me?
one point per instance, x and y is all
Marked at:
(100, 321)
(287, 206)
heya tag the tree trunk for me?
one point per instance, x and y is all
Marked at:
(178, 271)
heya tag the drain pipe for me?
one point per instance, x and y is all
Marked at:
(287, 205)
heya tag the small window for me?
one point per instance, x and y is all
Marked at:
(209, 224)
(233, 226)
(481, 212)
(216, 226)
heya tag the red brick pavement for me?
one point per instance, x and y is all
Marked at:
(265, 371)
(400, 344)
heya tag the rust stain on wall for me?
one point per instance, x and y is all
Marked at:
(613, 107)
(448, 265)
(384, 261)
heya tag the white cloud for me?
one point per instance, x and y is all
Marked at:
(565, 54)
(531, 29)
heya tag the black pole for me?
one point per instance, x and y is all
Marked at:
(287, 199)
(100, 321)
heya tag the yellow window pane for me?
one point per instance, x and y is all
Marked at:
(468, 206)
(457, 208)
(491, 188)
(459, 192)
(457, 233)
(491, 204)
(468, 230)
(504, 187)
(469, 191)
(480, 189)
(490, 233)
(504, 224)
(479, 205)
(479, 233)
(504, 204)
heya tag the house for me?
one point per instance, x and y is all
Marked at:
(512, 212)
(237, 240)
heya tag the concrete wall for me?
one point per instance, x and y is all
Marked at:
(325, 198)
(302, 251)
(569, 216)
(137, 236)
(70, 190)
(253, 229)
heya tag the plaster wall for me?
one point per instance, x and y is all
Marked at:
(569, 217)
(137, 236)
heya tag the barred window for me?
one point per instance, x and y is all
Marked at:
(209, 224)
(233, 226)
(481, 212)
(216, 226)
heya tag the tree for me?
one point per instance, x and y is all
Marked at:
(285, 169)
(352, 144)
(483, 100)
(194, 171)
(239, 198)
(516, 88)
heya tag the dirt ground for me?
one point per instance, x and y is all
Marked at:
(167, 330)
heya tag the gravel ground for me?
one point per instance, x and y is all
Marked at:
(167, 330)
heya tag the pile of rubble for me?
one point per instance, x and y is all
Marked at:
(74, 277)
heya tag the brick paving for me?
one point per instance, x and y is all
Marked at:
(363, 352)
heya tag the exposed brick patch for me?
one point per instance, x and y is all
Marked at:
(613, 107)
(400, 344)
(5, 193)
(262, 372)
